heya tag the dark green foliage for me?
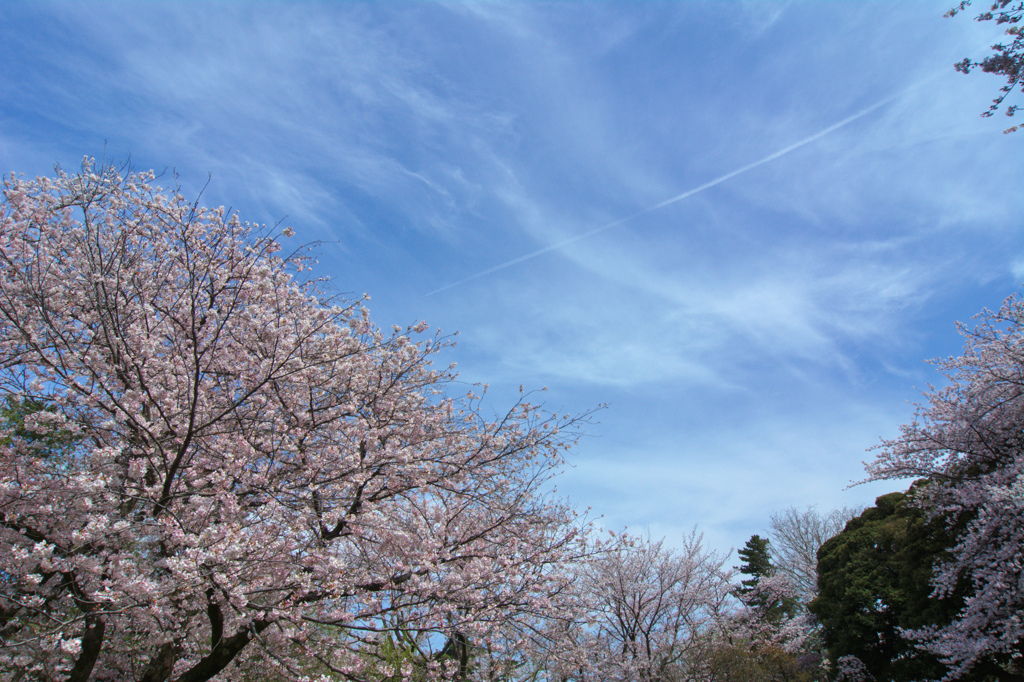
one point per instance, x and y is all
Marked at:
(730, 663)
(756, 562)
(773, 607)
(45, 443)
(875, 577)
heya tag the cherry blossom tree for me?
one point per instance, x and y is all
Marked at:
(1008, 60)
(253, 480)
(796, 535)
(768, 616)
(645, 612)
(969, 443)
(851, 669)
(768, 636)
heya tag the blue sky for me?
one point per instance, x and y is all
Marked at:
(751, 339)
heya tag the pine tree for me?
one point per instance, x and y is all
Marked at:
(757, 563)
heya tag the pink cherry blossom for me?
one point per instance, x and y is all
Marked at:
(232, 473)
(639, 611)
(968, 443)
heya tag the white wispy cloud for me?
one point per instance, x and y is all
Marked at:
(788, 254)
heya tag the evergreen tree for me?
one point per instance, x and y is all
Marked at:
(756, 562)
(874, 581)
(756, 556)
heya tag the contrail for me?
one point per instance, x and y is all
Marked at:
(679, 197)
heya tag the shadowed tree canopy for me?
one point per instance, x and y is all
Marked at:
(874, 578)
